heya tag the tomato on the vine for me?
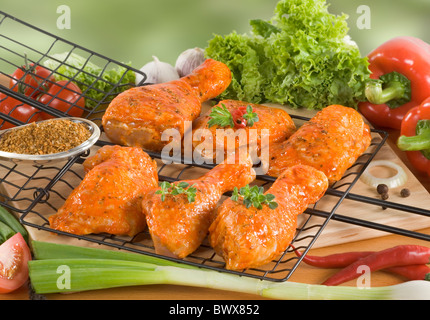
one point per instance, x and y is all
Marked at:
(31, 80)
(14, 257)
(17, 110)
(64, 96)
(37, 82)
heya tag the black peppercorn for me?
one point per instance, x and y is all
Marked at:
(405, 192)
(382, 188)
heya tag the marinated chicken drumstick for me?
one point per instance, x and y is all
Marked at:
(178, 226)
(331, 142)
(139, 116)
(276, 121)
(108, 200)
(251, 237)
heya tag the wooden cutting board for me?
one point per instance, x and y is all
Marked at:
(335, 232)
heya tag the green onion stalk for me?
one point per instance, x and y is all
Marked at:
(64, 268)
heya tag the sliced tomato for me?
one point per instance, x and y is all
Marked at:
(14, 257)
(17, 110)
(64, 96)
(238, 119)
(31, 80)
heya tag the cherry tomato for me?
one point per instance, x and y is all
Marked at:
(14, 257)
(31, 80)
(17, 110)
(64, 96)
(237, 114)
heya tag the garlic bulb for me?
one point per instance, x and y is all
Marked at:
(157, 72)
(189, 60)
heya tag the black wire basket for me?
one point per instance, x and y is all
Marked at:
(40, 189)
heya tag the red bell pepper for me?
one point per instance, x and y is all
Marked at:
(400, 70)
(415, 136)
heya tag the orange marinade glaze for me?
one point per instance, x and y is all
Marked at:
(109, 197)
(251, 237)
(140, 115)
(177, 226)
(331, 142)
(277, 123)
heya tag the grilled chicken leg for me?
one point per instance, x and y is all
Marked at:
(331, 142)
(109, 197)
(139, 116)
(178, 226)
(250, 237)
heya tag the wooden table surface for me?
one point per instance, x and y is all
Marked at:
(303, 274)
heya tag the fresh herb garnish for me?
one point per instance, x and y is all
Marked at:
(175, 189)
(221, 116)
(254, 196)
(250, 116)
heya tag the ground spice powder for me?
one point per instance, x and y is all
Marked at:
(47, 137)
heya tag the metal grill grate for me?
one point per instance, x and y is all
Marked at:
(36, 191)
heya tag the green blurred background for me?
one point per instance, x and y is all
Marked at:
(133, 31)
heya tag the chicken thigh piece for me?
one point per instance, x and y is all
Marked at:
(276, 123)
(139, 116)
(331, 142)
(251, 237)
(178, 226)
(108, 199)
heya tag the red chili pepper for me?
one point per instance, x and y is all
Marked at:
(400, 67)
(412, 272)
(338, 260)
(402, 255)
(342, 260)
(415, 136)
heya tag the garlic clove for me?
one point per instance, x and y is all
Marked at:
(188, 60)
(157, 72)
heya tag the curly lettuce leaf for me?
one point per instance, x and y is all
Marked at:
(99, 86)
(243, 60)
(302, 57)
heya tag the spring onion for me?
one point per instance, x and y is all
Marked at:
(5, 232)
(7, 220)
(90, 269)
(396, 180)
(46, 250)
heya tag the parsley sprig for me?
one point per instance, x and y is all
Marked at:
(175, 189)
(254, 196)
(220, 116)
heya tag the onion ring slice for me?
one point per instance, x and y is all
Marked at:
(397, 180)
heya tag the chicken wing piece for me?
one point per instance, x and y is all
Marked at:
(108, 200)
(139, 116)
(250, 237)
(331, 142)
(178, 226)
(277, 122)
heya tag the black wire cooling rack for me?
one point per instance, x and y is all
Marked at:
(36, 191)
